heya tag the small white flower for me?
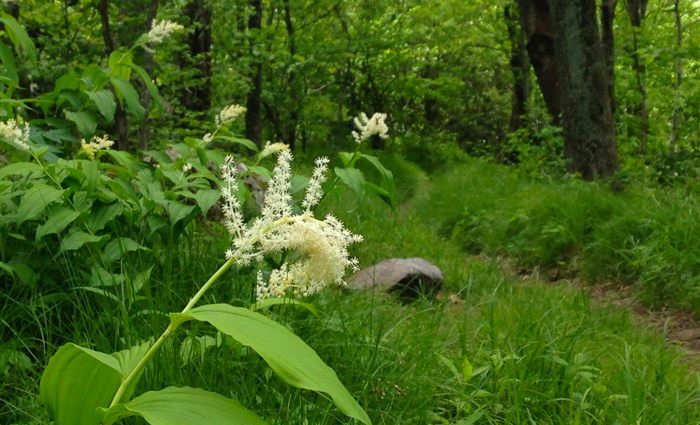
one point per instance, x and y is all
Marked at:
(370, 126)
(186, 168)
(161, 30)
(16, 133)
(229, 114)
(207, 138)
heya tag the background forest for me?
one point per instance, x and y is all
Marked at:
(540, 152)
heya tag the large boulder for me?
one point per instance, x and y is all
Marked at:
(408, 277)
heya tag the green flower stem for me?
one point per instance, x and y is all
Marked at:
(171, 329)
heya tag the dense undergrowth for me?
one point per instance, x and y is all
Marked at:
(646, 237)
(499, 352)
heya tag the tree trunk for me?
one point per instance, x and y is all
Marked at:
(679, 77)
(636, 9)
(121, 122)
(537, 25)
(520, 67)
(607, 16)
(253, 124)
(290, 137)
(198, 97)
(145, 95)
(589, 134)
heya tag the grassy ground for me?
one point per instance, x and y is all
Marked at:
(499, 352)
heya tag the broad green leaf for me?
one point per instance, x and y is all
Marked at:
(387, 175)
(127, 92)
(118, 247)
(178, 211)
(299, 183)
(77, 239)
(119, 64)
(122, 158)
(104, 100)
(35, 200)
(19, 36)
(66, 82)
(78, 380)
(96, 77)
(99, 291)
(245, 142)
(92, 175)
(349, 158)
(101, 278)
(354, 179)
(59, 219)
(152, 89)
(206, 199)
(85, 122)
(19, 168)
(8, 61)
(382, 193)
(388, 178)
(269, 302)
(261, 171)
(294, 361)
(183, 406)
(102, 214)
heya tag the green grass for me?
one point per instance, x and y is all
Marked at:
(505, 353)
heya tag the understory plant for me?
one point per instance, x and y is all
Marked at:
(83, 386)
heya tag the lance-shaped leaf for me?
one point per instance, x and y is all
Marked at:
(294, 361)
(183, 406)
(78, 380)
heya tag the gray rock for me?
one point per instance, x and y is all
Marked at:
(409, 277)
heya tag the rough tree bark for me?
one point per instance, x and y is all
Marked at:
(607, 17)
(253, 124)
(198, 98)
(636, 9)
(519, 65)
(589, 133)
(539, 35)
(564, 44)
(121, 123)
(679, 77)
(290, 136)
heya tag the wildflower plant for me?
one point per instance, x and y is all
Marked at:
(82, 386)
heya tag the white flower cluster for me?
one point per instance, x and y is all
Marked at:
(271, 148)
(16, 133)
(96, 144)
(322, 244)
(187, 168)
(161, 30)
(370, 126)
(229, 114)
(314, 193)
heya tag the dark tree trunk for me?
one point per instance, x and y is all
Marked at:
(589, 134)
(198, 97)
(520, 67)
(636, 9)
(145, 95)
(539, 32)
(430, 104)
(121, 122)
(607, 17)
(679, 77)
(290, 137)
(253, 124)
